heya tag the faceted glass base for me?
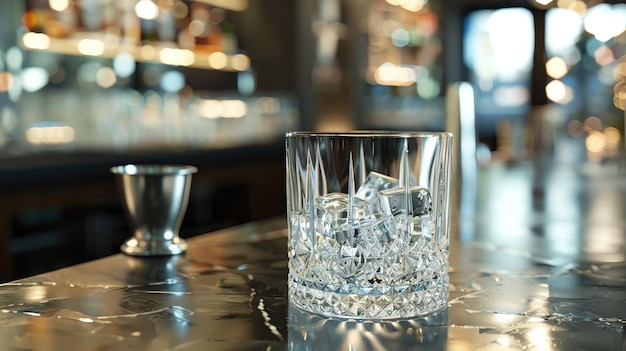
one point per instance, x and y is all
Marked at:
(376, 301)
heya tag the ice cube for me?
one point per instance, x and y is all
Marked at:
(417, 203)
(333, 212)
(374, 183)
(335, 206)
(375, 233)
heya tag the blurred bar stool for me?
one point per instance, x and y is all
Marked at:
(461, 122)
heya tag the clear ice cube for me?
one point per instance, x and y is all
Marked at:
(335, 218)
(374, 183)
(375, 233)
(395, 201)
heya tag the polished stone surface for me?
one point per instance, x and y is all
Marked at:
(541, 266)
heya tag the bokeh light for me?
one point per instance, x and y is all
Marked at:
(6, 81)
(59, 5)
(33, 79)
(413, 5)
(595, 142)
(124, 65)
(38, 41)
(428, 88)
(91, 47)
(604, 22)
(240, 62)
(177, 57)
(147, 52)
(603, 56)
(87, 72)
(197, 28)
(543, 2)
(593, 123)
(105, 77)
(392, 75)
(180, 10)
(212, 109)
(400, 37)
(218, 60)
(558, 92)
(50, 135)
(556, 68)
(147, 9)
(172, 81)
(575, 128)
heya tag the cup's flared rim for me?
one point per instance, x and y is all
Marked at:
(369, 134)
(153, 169)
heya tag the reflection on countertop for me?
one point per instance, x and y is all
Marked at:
(545, 269)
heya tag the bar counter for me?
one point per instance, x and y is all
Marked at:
(540, 266)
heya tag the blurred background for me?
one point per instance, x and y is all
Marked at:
(89, 84)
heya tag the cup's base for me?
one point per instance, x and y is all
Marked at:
(135, 247)
(372, 302)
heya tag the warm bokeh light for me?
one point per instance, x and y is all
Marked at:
(37, 41)
(91, 47)
(6, 81)
(612, 137)
(50, 135)
(595, 142)
(221, 108)
(197, 28)
(240, 62)
(556, 68)
(620, 91)
(105, 77)
(603, 56)
(558, 92)
(177, 57)
(540, 338)
(577, 6)
(413, 5)
(147, 9)
(59, 5)
(392, 75)
(218, 60)
(593, 123)
(147, 52)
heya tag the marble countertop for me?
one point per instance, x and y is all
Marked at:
(541, 266)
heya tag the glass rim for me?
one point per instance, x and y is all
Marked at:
(153, 169)
(369, 134)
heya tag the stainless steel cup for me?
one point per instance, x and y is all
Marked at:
(155, 199)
